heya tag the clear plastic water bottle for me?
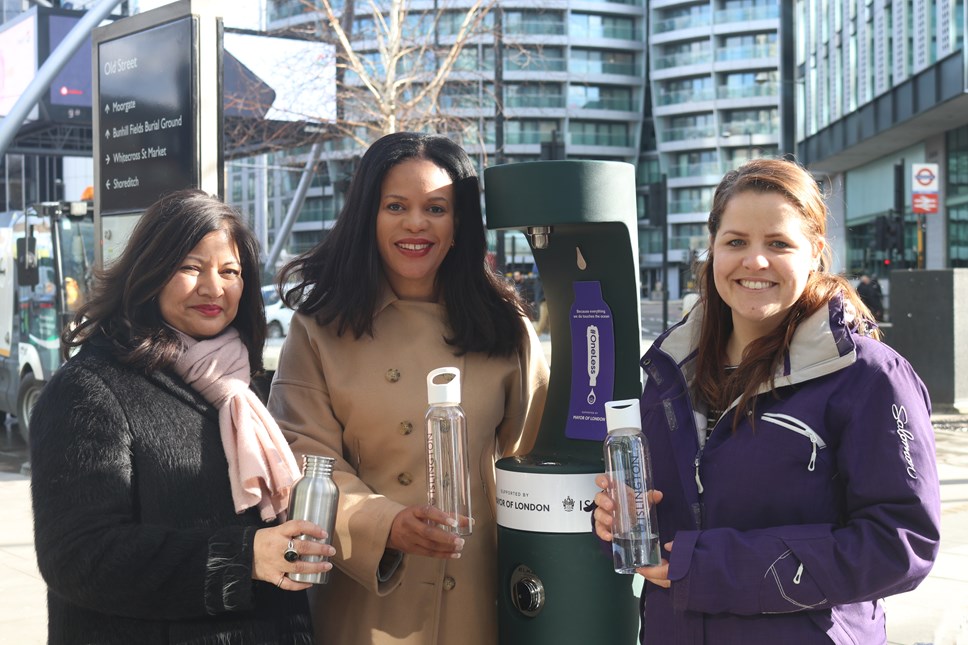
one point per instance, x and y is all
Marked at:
(635, 531)
(448, 475)
(314, 498)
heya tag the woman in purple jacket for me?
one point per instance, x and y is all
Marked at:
(793, 452)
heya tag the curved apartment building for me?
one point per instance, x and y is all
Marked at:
(572, 71)
(716, 91)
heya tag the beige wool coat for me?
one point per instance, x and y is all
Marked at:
(363, 402)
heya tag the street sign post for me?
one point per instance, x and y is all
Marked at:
(924, 198)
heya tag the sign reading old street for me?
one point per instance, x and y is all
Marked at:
(147, 125)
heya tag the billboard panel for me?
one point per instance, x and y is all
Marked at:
(302, 74)
(18, 60)
(69, 97)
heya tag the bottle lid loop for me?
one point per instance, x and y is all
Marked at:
(622, 414)
(441, 389)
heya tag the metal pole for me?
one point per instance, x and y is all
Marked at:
(665, 265)
(51, 67)
(297, 201)
(921, 234)
(500, 252)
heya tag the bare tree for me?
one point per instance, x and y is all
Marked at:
(397, 64)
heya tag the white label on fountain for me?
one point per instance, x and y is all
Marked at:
(545, 503)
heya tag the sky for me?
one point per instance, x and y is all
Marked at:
(243, 14)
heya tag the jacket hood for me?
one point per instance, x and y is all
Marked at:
(822, 344)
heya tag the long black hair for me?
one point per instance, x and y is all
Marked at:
(124, 307)
(339, 279)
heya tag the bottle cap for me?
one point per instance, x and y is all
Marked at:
(622, 414)
(441, 390)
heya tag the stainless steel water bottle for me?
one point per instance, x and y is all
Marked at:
(314, 498)
(448, 476)
(635, 531)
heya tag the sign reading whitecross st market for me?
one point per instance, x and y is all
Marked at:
(147, 123)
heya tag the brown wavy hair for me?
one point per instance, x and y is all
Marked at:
(762, 357)
(123, 311)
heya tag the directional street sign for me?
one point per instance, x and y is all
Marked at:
(145, 85)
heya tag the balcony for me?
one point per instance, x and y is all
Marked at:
(747, 14)
(534, 28)
(692, 205)
(534, 64)
(689, 133)
(537, 101)
(746, 52)
(616, 32)
(614, 140)
(680, 60)
(705, 168)
(746, 91)
(578, 66)
(677, 97)
(682, 22)
(618, 103)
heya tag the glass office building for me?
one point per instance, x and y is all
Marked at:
(885, 84)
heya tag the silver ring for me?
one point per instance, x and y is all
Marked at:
(291, 555)
(279, 584)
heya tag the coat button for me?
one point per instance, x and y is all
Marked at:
(406, 427)
(449, 583)
(393, 375)
(405, 479)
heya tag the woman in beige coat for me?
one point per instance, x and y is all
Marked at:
(398, 288)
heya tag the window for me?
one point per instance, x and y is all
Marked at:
(529, 131)
(533, 95)
(584, 25)
(534, 23)
(532, 58)
(594, 97)
(593, 61)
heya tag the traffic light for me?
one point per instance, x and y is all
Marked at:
(899, 188)
(897, 234)
(882, 240)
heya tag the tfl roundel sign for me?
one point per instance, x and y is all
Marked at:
(924, 188)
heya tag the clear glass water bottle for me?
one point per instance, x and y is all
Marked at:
(635, 531)
(448, 475)
(314, 498)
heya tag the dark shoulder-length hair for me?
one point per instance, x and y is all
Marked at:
(338, 280)
(763, 356)
(123, 309)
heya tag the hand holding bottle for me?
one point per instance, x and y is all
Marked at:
(605, 507)
(269, 548)
(604, 519)
(418, 530)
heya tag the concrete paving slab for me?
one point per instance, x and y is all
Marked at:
(936, 613)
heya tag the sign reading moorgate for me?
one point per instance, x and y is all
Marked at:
(147, 123)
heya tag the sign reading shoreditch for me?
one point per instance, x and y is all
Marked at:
(147, 123)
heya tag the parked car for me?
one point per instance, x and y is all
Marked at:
(278, 315)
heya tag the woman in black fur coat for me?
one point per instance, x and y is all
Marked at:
(159, 513)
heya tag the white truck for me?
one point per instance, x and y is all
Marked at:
(46, 272)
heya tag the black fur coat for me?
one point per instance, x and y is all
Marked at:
(134, 525)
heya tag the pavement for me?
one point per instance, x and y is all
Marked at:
(936, 613)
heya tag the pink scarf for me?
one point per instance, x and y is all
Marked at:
(262, 468)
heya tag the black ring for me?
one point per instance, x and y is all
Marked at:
(291, 555)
